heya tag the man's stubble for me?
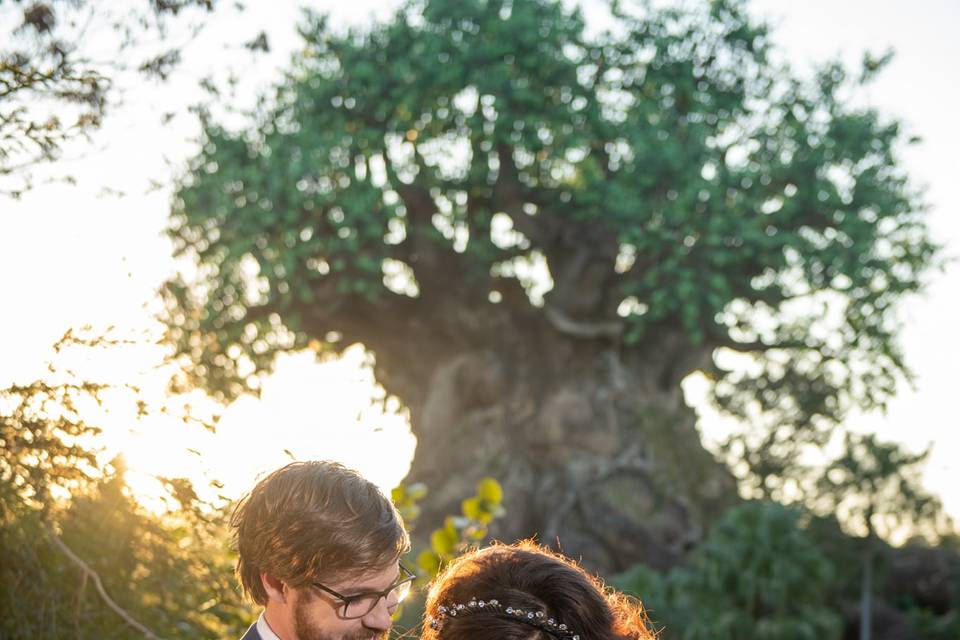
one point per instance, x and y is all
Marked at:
(304, 630)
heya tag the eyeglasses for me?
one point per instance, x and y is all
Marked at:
(360, 604)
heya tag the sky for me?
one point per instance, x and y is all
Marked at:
(75, 255)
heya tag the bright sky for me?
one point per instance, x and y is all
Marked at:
(71, 255)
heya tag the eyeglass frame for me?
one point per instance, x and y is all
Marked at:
(345, 601)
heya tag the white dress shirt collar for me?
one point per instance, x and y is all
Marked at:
(266, 633)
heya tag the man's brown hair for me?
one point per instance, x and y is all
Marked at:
(533, 579)
(313, 522)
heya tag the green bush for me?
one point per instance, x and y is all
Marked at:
(757, 576)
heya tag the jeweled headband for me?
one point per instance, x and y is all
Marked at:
(533, 618)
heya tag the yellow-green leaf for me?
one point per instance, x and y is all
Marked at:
(472, 509)
(428, 562)
(443, 543)
(490, 491)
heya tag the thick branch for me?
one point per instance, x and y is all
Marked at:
(395, 328)
(581, 256)
(758, 346)
(582, 329)
(434, 262)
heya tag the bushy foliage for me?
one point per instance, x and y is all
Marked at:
(459, 532)
(872, 490)
(81, 558)
(758, 575)
(876, 488)
(930, 626)
(170, 573)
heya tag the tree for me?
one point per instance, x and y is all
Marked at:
(757, 575)
(55, 87)
(539, 233)
(875, 487)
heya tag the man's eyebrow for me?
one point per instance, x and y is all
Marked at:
(362, 589)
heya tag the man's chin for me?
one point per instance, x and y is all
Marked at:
(368, 635)
(363, 634)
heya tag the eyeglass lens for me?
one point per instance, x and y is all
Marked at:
(359, 607)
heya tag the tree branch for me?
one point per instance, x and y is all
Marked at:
(93, 575)
(758, 346)
(582, 329)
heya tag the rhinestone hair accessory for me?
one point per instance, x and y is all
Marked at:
(530, 617)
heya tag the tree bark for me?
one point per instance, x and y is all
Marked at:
(866, 591)
(597, 452)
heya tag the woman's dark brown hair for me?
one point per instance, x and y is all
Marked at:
(533, 579)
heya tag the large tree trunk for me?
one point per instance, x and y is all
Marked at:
(597, 451)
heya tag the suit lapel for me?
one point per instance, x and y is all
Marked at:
(251, 633)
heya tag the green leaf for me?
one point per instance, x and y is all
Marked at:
(443, 542)
(417, 491)
(490, 491)
(428, 562)
(472, 509)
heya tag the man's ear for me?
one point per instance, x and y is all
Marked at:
(276, 589)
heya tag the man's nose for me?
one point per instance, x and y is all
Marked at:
(379, 617)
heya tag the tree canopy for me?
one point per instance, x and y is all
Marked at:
(663, 182)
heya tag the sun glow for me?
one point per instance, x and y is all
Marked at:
(78, 253)
(307, 410)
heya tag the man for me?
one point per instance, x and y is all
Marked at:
(319, 549)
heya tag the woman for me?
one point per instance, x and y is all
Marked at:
(527, 592)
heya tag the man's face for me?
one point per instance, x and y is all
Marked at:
(317, 615)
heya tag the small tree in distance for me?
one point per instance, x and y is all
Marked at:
(874, 487)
